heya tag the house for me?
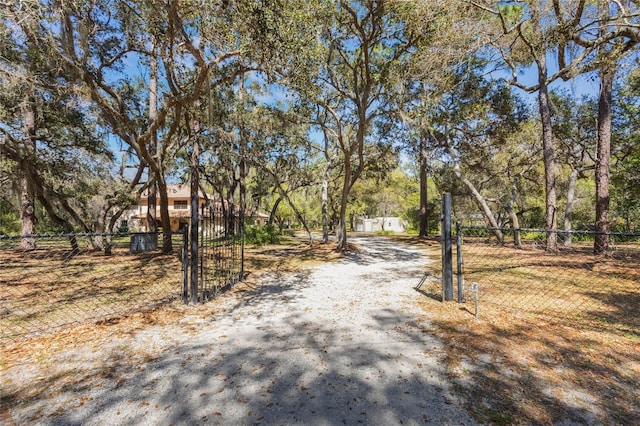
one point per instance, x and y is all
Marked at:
(256, 218)
(179, 208)
(394, 224)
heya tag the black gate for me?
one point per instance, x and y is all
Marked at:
(218, 259)
(221, 249)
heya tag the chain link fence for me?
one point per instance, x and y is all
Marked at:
(49, 281)
(570, 285)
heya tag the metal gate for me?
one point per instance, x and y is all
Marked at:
(213, 256)
(220, 249)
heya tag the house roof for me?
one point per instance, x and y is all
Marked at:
(178, 191)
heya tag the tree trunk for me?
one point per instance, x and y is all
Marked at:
(341, 228)
(515, 222)
(27, 216)
(484, 207)
(479, 199)
(424, 214)
(152, 222)
(44, 200)
(274, 210)
(114, 218)
(568, 212)
(98, 239)
(231, 208)
(167, 246)
(325, 203)
(194, 203)
(242, 149)
(283, 194)
(549, 162)
(243, 201)
(27, 196)
(603, 159)
(108, 239)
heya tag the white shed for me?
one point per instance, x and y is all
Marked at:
(394, 224)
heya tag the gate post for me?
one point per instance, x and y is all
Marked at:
(460, 262)
(447, 261)
(185, 265)
(195, 180)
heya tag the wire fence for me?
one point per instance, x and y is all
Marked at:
(570, 285)
(50, 281)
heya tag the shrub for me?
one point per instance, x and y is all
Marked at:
(261, 235)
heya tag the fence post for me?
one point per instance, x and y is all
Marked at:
(447, 262)
(195, 180)
(185, 265)
(202, 281)
(460, 262)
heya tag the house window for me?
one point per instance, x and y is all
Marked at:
(180, 205)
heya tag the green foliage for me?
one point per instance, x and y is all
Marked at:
(626, 190)
(412, 215)
(9, 219)
(533, 236)
(512, 13)
(625, 170)
(261, 235)
(50, 135)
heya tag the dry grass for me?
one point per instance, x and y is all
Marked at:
(559, 341)
(290, 255)
(44, 290)
(596, 292)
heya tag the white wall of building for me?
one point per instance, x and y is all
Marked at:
(394, 224)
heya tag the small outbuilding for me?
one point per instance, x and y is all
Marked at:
(376, 224)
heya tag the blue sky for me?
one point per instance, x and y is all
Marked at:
(586, 84)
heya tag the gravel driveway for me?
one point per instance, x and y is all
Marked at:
(339, 343)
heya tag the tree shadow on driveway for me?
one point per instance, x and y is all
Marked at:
(303, 374)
